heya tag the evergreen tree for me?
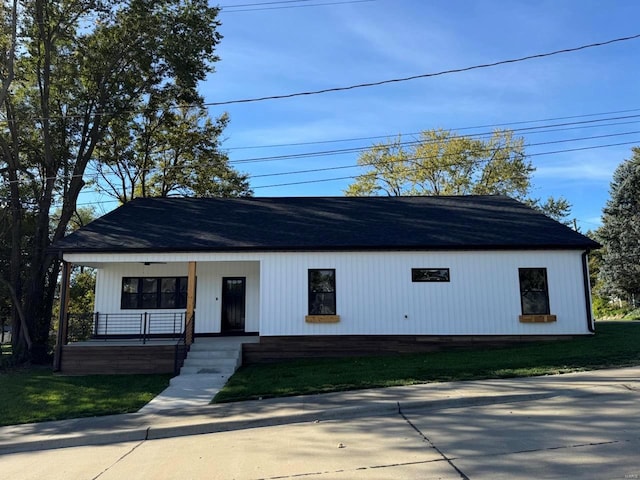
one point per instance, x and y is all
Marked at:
(620, 233)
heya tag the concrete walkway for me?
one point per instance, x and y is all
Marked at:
(190, 420)
(185, 392)
(191, 388)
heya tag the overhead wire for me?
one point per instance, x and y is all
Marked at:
(96, 176)
(321, 153)
(351, 177)
(458, 129)
(434, 157)
(305, 155)
(528, 155)
(364, 85)
(427, 75)
(257, 4)
(344, 2)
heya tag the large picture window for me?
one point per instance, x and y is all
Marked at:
(534, 292)
(152, 293)
(322, 292)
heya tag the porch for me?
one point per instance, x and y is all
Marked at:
(124, 343)
(150, 303)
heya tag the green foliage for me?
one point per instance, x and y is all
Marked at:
(443, 163)
(613, 345)
(164, 150)
(620, 234)
(36, 395)
(73, 72)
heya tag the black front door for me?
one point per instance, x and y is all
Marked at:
(233, 304)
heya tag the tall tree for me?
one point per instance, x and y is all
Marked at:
(69, 69)
(440, 162)
(164, 149)
(620, 233)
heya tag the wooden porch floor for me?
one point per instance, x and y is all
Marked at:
(115, 342)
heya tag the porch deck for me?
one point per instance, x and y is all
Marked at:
(121, 342)
(121, 356)
(143, 343)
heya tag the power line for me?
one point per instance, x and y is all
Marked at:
(321, 153)
(426, 75)
(264, 3)
(97, 175)
(434, 157)
(323, 180)
(362, 85)
(225, 9)
(459, 129)
(529, 155)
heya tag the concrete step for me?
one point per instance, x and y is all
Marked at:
(214, 353)
(215, 356)
(226, 371)
(230, 363)
(210, 348)
(202, 380)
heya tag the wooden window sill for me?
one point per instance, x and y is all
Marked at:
(322, 318)
(537, 318)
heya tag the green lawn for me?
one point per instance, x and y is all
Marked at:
(614, 345)
(35, 394)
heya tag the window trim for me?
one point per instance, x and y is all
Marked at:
(309, 293)
(546, 291)
(180, 280)
(414, 271)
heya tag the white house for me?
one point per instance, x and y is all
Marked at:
(334, 275)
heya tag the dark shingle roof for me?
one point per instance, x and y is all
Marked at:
(322, 223)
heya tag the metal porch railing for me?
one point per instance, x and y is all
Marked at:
(142, 326)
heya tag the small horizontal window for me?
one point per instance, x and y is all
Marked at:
(429, 274)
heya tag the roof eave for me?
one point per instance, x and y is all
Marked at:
(325, 248)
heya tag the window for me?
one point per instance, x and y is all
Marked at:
(429, 274)
(140, 293)
(534, 294)
(322, 292)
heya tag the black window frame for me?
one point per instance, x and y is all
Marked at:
(416, 279)
(155, 299)
(545, 290)
(313, 295)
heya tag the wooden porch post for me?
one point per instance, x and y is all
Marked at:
(191, 303)
(63, 320)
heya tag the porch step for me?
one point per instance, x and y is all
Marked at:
(207, 354)
(215, 356)
(214, 362)
(207, 368)
(223, 373)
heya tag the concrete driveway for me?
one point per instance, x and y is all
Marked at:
(591, 433)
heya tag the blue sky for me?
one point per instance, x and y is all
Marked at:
(283, 50)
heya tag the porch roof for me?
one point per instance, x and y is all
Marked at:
(322, 223)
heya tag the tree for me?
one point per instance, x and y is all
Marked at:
(164, 149)
(69, 70)
(442, 163)
(620, 233)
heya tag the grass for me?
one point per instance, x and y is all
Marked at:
(614, 345)
(34, 394)
(632, 315)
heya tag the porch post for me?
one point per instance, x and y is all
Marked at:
(191, 303)
(64, 318)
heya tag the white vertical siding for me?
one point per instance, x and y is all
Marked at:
(374, 291)
(375, 294)
(208, 289)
